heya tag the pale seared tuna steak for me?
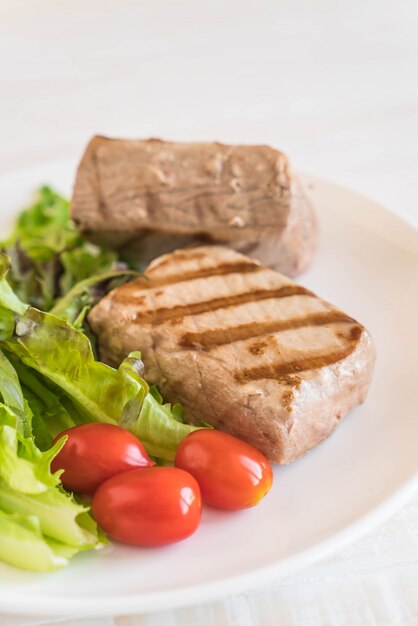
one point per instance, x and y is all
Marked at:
(241, 347)
(149, 197)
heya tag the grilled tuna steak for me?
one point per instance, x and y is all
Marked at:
(240, 346)
(150, 197)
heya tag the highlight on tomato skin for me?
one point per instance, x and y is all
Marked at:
(231, 473)
(149, 507)
(95, 452)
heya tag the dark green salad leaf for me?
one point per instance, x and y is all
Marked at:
(48, 255)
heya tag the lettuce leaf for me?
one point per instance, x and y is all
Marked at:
(11, 393)
(41, 526)
(94, 391)
(49, 413)
(159, 428)
(74, 305)
(22, 465)
(23, 545)
(64, 356)
(48, 254)
(57, 512)
(10, 302)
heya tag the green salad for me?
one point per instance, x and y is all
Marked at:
(51, 380)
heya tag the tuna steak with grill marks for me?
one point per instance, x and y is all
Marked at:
(241, 347)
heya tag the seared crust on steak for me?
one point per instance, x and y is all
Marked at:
(241, 347)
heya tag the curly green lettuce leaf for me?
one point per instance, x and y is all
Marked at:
(46, 222)
(7, 324)
(49, 413)
(23, 466)
(40, 234)
(62, 526)
(77, 302)
(35, 513)
(11, 393)
(60, 516)
(159, 426)
(159, 429)
(48, 254)
(23, 545)
(63, 355)
(9, 301)
(84, 261)
(96, 392)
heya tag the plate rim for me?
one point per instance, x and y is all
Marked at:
(240, 583)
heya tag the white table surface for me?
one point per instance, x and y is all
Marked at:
(334, 84)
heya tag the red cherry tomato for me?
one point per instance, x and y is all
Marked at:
(231, 473)
(95, 452)
(149, 507)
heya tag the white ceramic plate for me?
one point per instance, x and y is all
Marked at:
(367, 264)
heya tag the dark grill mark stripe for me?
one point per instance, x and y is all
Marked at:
(204, 272)
(196, 308)
(302, 364)
(222, 336)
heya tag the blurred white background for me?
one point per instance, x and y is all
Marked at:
(332, 83)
